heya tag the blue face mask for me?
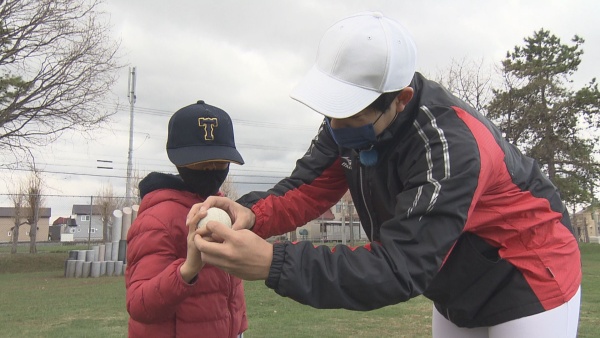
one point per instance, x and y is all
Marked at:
(358, 138)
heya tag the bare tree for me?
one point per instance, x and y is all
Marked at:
(34, 204)
(136, 177)
(57, 65)
(228, 189)
(18, 201)
(107, 203)
(470, 81)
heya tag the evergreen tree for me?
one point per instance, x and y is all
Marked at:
(548, 120)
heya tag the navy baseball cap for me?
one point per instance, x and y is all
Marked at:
(200, 133)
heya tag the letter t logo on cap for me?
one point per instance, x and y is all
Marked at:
(209, 124)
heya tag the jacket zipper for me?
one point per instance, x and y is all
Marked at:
(362, 193)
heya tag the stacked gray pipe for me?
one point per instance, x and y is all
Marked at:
(106, 259)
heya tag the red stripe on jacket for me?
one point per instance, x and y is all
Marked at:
(308, 201)
(529, 233)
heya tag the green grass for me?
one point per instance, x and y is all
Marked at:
(589, 319)
(273, 316)
(37, 301)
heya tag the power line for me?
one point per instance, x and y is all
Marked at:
(122, 176)
(168, 165)
(69, 195)
(263, 124)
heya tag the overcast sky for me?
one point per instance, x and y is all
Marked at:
(246, 56)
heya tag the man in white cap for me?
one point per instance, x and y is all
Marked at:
(453, 211)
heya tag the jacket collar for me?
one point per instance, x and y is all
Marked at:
(155, 181)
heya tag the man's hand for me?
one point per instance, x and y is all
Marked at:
(242, 253)
(193, 262)
(242, 217)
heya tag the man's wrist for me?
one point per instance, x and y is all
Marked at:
(253, 219)
(276, 265)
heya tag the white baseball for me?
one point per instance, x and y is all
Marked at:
(215, 214)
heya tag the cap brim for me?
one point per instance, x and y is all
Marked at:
(195, 154)
(332, 97)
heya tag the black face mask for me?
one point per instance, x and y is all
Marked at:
(203, 182)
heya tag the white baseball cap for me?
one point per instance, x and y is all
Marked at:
(359, 58)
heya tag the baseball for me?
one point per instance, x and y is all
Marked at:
(215, 214)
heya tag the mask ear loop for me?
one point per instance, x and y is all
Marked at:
(380, 115)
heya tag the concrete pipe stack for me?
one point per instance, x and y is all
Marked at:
(108, 259)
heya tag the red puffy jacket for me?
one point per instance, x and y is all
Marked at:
(160, 303)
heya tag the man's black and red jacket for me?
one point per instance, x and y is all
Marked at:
(452, 210)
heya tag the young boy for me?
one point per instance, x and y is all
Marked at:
(170, 292)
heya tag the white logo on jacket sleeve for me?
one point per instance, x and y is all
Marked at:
(347, 162)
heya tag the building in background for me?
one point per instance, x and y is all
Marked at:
(328, 227)
(7, 222)
(60, 226)
(311, 231)
(586, 226)
(88, 223)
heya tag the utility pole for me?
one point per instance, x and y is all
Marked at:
(90, 225)
(131, 96)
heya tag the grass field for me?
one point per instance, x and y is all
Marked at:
(37, 301)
